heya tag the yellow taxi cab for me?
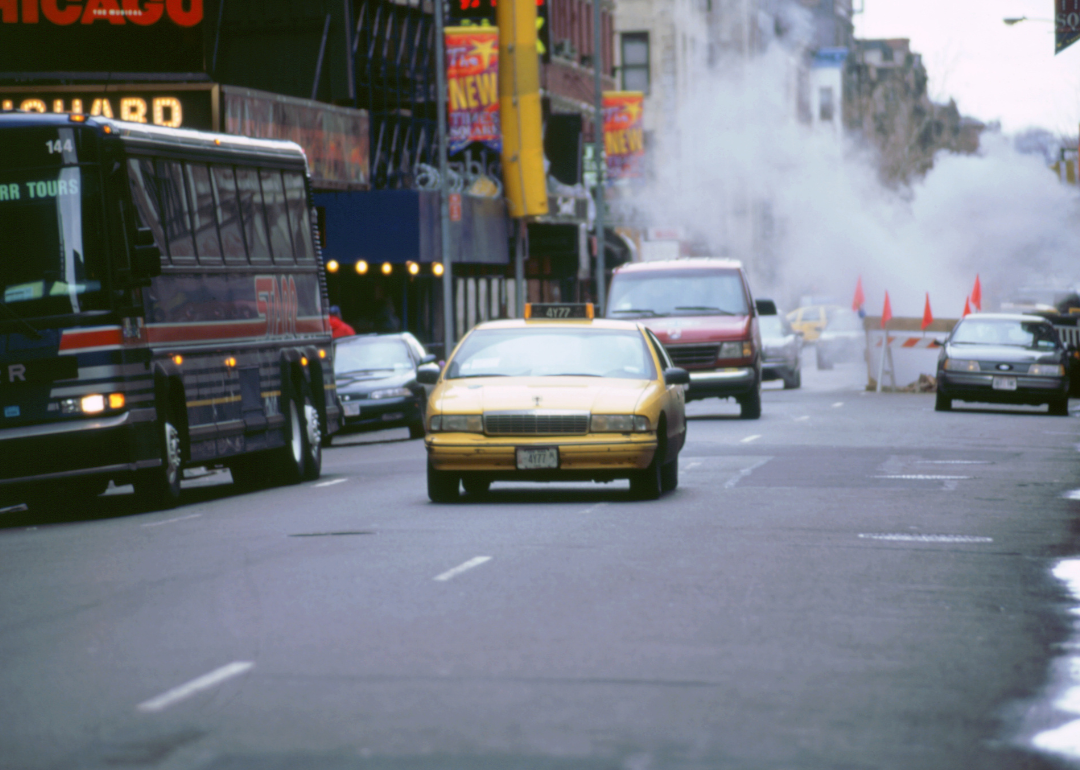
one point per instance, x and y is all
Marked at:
(556, 396)
(811, 319)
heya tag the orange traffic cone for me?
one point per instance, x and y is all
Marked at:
(927, 316)
(886, 312)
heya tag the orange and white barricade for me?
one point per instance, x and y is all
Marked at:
(904, 350)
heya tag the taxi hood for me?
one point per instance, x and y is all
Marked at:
(703, 328)
(475, 395)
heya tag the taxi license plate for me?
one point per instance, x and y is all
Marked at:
(352, 410)
(1004, 383)
(537, 457)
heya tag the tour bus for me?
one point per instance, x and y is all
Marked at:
(164, 306)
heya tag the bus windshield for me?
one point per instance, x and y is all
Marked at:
(51, 260)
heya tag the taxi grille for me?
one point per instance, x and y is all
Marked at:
(693, 355)
(536, 423)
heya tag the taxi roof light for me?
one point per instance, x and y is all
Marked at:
(559, 311)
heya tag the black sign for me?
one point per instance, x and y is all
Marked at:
(39, 370)
(1067, 24)
(106, 36)
(482, 12)
(535, 311)
(171, 105)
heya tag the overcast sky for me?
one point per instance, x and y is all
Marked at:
(994, 71)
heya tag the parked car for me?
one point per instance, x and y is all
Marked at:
(702, 311)
(782, 348)
(1004, 359)
(842, 340)
(376, 381)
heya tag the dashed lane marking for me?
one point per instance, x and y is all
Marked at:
(329, 483)
(748, 439)
(476, 561)
(171, 521)
(953, 462)
(926, 538)
(838, 404)
(1073, 494)
(204, 682)
(745, 472)
(923, 477)
(590, 509)
(804, 418)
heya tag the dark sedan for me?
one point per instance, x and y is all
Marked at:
(1004, 359)
(376, 382)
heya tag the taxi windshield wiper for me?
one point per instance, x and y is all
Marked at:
(31, 332)
(706, 309)
(639, 311)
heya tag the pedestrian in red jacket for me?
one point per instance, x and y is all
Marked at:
(339, 328)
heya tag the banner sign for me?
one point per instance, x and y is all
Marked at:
(172, 105)
(472, 78)
(482, 13)
(101, 36)
(623, 140)
(335, 139)
(1067, 23)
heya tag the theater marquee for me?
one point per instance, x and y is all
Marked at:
(173, 105)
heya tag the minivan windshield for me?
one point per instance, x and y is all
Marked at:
(678, 292)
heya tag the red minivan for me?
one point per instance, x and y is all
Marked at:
(702, 311)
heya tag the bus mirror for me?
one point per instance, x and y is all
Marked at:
(145, 256)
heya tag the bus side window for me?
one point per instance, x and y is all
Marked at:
(277, 217)
(144, 195)
(253, 215)
(299, 217)
(206, 229)
(228, 215)
(176, 212)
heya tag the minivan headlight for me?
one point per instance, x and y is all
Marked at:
(457, 423)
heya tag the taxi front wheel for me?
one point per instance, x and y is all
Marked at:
(647, 484)
(442, 486)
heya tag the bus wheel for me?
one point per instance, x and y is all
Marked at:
(298, 459)
(160, 487)
(314, 439)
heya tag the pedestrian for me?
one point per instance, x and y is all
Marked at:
(339, 328)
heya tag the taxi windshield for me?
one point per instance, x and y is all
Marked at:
(547, 352)
(51, 260)
(679, 292)
(1022, 334)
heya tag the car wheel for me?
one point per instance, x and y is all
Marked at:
(416, 429)
(442, 486)
(750, 405)
(942, 403)
(669, 475)
(159, 488)
(476, 486)
(793, 379)
(647, 484)
(1060, 407)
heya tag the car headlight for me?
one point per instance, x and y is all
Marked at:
(457, 423)
(619, 423)
(961, 365)
(740, 349)
(390, 393)
(1047, 370)
(92, 404)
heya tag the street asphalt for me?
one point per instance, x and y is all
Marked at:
(852, 581)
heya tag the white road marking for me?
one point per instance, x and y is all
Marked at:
(953, 462)
(473, 562)
(329, 483)
(748, 439)
(928, 538)
(691, 466)
(170, 521)
(204, 682)
(1072, 494)
(923, 477)
(803, 418)
(838, 404)
(745, 472)
(590, 509)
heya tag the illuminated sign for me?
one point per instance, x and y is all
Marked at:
(171, 105)
(117, 36)
(468, 13)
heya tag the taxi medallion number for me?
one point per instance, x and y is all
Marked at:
(533, 458)
(1004, 383)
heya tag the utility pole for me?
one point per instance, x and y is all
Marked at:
(598, 155)
(444, 191)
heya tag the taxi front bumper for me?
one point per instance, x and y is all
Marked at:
(589, 456)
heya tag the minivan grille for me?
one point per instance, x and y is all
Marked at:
(535, 423)
(693, 355)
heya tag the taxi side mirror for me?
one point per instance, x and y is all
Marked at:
(676, 376)
(428, 374)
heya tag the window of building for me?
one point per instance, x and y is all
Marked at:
(825, 104)
(635, 61)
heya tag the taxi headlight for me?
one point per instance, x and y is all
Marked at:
(961, 365)
(390, 393)
(457, 423)
(618, 423)
(731, 350)
(1047, 370)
